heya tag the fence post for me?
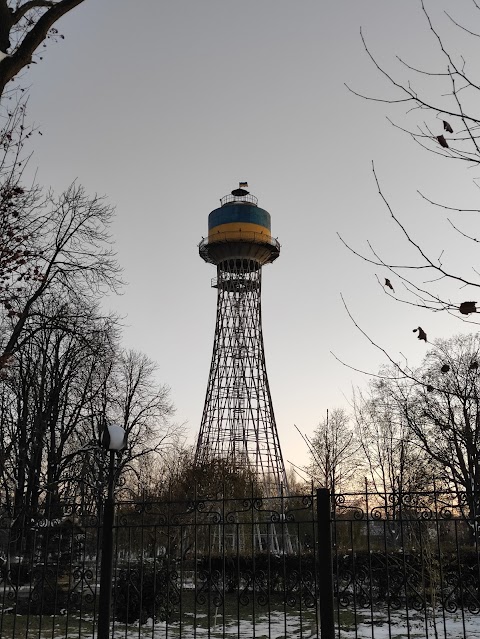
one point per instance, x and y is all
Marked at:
(106, 566)
(325, 564)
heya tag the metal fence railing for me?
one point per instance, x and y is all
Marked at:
(406, 564)
(208, 567)
(311, 565)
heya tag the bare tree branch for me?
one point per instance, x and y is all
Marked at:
(34, 36)
(461, 26)
(29, 6)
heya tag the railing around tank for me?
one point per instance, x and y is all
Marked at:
(239, 199)
(239, 236)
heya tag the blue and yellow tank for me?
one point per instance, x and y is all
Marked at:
(239, 229)
(239, 222)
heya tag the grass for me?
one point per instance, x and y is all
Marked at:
(274, 620)
(191, 619)
(45, 627)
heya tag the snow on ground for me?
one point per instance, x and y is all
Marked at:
(277, 625)
(414, 626)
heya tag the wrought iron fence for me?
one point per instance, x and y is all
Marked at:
(407, 564)
(353, 565)
(204, 567)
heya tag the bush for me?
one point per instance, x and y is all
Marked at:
(146, 591)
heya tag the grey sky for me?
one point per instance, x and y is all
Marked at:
(165, 106)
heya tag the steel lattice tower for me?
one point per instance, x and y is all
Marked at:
(238, 422)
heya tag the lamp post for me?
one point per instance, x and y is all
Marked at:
(114, 440)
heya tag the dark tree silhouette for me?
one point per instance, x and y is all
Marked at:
(435, 410)
(24, 26)
(333, 450)
(72, 254)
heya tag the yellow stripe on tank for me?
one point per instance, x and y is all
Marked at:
(242, 231)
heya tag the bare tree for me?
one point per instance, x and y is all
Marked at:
(128, 394)
(45, 400)
(395, 462)
(444, 414)
(143, 407)
(45, 240)
(67, 382)
(423, 428)
(333, 452)
(70, 250)
(19, 206)
(445, 100)
(24, 27)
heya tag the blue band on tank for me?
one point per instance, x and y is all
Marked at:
(239, 213)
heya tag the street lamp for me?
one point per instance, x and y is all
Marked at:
(114, 440)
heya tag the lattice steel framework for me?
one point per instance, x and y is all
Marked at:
(238, 422)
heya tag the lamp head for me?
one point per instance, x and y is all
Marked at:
(114, 437)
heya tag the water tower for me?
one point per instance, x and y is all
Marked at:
(238, 422)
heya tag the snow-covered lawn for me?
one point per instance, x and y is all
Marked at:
(273, 624)
(417, 625)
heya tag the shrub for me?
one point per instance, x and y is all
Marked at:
(146, 591)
